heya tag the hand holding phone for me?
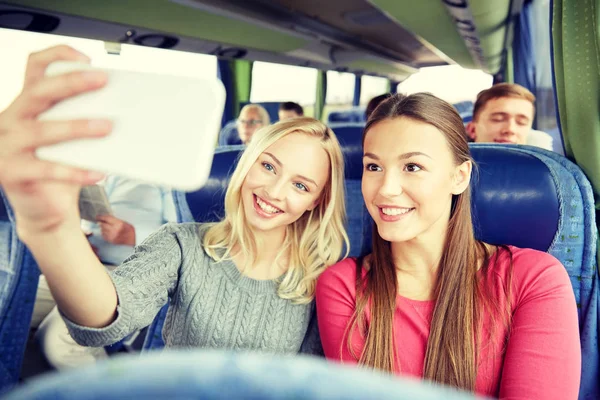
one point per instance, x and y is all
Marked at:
(164, 127)
(43, 194)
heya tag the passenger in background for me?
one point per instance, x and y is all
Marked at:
(374, 102)
(504, 114)
(289, 109)
(138, 210)
(431, 301)
(244, 283)
(252, 117)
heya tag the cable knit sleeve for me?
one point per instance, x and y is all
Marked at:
(144, 283)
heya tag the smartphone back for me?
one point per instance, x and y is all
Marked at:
(165, 127)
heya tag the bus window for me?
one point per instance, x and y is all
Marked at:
(450, 82)
(15, 47)
(340, 92)
(278, 82)
(372, 86)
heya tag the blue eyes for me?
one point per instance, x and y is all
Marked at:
(301, 186)
(297, 185)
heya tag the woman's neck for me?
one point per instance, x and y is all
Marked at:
(416, 263)
(267, 265)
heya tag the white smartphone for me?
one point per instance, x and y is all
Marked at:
(165, 127)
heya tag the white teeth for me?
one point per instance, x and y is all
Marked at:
(395, 211)
(266, 207)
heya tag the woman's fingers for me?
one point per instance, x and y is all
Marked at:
(26, 136)
(39, 61)
(26, 168)
(48, 91)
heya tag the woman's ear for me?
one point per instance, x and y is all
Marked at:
(462, 177)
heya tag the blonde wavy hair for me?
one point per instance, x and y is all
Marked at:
(313, 242)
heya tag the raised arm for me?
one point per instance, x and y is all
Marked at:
(44, 195)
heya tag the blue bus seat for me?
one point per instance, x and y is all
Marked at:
(229, 135)
(465, 109)
(217, 374)
(19, 277)
(354, 114)
(349, 135)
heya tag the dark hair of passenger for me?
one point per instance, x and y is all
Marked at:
(501, 90)
(291, 106)
(454, 338)
(374, 102)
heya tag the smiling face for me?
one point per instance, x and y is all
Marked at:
(409, 178)
(503, 120)
(284, 182)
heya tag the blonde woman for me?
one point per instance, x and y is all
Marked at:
(246, 282)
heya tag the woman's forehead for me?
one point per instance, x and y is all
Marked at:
(402, 135)
(301, 154)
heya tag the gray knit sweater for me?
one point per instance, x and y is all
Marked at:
(211, 304)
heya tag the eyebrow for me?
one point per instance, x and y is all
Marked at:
(281, 166)
(500, 113)
(400, 157)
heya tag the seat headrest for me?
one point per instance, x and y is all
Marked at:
(350, 137)
(206, 204)
(515, 198)
(229, 135)
(355, 114)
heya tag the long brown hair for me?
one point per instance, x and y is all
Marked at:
(452, 347)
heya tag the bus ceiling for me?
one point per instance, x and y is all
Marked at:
(391, 38)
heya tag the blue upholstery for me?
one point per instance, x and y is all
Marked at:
(229, 135)
(350, 138)
(465, 109)
(530, 197)
(355, 114)
(212, 375)
(19, 277)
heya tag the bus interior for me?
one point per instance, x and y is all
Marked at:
(331, 57)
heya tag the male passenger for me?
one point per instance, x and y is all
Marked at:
(289, 109)
(502, 114)
(251, 118)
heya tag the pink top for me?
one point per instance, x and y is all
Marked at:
(543, 356)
